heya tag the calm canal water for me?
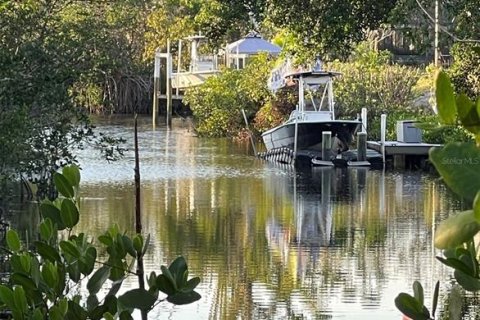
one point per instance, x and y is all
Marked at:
(269, 242)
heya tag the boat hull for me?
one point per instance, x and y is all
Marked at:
(310, 134)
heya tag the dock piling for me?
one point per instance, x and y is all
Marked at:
(364, 120)
(383, 133)
(169, 86)
(362, 146)
(156, 88)
(326, 145)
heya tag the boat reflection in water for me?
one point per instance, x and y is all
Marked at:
(341, 249)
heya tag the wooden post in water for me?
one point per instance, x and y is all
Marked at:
(362, 146)
(169, 86)
(249, 132)
(156, 88)
(364, 120)
(179, 64)
(295, 142)
(383, 133)
(138, 215)
(326, 145)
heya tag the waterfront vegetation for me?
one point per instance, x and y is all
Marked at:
(60, 61)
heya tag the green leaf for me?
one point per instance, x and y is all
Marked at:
(55, 313)
(125, 315)
(192, 283)
(75, 312)
(63, 305)
(128, 245)
(48, 210)
(435, 298)
(476, 207)
(164, 285)
(46, 229)
(62, 185)
(37, 314)
(24, 281)
(468, 282)
(70, 248)
(20, 299)
(467, 112)
(459, 166)
(13, 241)
(179, 270)
(92, 302)
(35, 271)
(418, 292)
(49, 274)
(87, 262)
(118, 270)
(116, 285)
(168, 275)
(25, 260)
(106, 239)
(72, 174)
(456, 230)
(151, 280)
(47, 252)
(108, 307)
(138, 243)
(138, 299)
(74, 272)
(6, 296)
(108, 316)
(178, 266)
(457, 265)
(184, 297)
(445, 98)
(98, 279)
(69, 213)
(410, 307)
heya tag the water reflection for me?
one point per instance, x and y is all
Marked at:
(268, 242)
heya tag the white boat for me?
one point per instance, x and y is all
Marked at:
(309, 121)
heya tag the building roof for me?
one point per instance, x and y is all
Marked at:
(253, 43)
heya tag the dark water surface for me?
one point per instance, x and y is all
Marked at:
(268, 242)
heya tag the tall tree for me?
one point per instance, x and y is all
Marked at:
(48, 48)
(328, 28)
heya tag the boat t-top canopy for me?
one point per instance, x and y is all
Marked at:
(252, 44)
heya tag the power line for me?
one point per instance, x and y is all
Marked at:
(443, 28)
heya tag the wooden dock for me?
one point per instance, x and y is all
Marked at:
(393, 148)
(398, 155)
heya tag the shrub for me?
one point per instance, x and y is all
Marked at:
(217, 103)
(465, 71)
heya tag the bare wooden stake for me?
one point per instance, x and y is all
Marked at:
(138, 215)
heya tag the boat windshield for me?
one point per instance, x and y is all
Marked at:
(316, 98)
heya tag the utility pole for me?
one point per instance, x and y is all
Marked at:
(437, 49)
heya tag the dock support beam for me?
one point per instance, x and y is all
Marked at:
(364, 120)
(362, 146)
(326, 145)
(156, 85)
(169, 85)
(383, 134)
(156, 88)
